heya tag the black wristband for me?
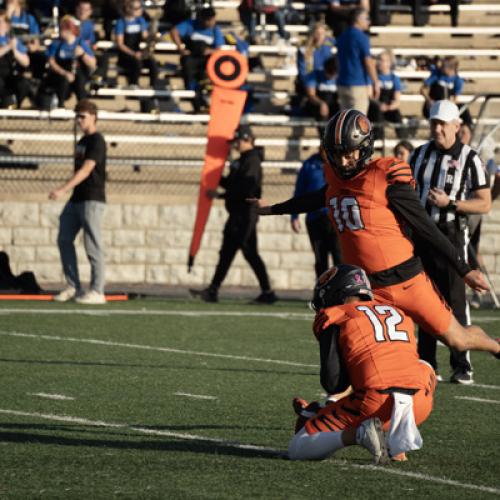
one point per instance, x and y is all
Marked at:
(452, 205)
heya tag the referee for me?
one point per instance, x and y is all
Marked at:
(451, 183)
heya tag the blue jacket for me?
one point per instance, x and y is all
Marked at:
(310, 178)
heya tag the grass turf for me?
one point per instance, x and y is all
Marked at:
(126, 384)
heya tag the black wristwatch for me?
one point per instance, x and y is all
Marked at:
(452, 205)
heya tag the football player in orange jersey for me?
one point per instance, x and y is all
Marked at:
(371, 346)
(372, 206)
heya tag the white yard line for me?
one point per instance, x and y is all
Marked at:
(241, 446)
(156, 312)
(485, 386)
(194, 396)
(154, 348)
(57, 397)
(306, 316)
(478, 400)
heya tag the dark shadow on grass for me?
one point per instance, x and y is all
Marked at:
(109, 364)
(160, 444)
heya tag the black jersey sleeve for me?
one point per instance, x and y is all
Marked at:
(406, 203)
(309, 202)
(333, 373)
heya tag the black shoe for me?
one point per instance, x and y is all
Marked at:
(462, 376)
(266, 298)
(207, 294)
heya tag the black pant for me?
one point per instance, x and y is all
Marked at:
(132, 68)
(13, 85)
(193, 72)
(324, 242)
(452, 288)
(240, 233)
(58, 84)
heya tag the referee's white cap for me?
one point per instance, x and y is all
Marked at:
(445, 111)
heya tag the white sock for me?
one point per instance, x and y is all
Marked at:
(318, 446)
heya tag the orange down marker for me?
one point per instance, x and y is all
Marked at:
(228, 71)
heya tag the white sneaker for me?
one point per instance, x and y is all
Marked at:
(91, 298)
(66, 294)
(371, 436)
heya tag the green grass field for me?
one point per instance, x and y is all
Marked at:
(175, 399)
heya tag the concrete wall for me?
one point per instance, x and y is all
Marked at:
(148, 244)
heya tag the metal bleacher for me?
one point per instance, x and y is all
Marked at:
(170, 146)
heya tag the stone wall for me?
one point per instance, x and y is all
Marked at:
(148, 244)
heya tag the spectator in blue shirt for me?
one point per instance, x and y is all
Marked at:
(71, 62)
(13, 58)
(357, 71)
(321, 91)
(323, 239)
(196, 40)
(315, 52)
(387, 108)
(339, 12)
(130, 31)
(24, 25)
(84, 13)
(444, 84)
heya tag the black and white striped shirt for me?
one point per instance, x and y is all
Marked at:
(457, 171)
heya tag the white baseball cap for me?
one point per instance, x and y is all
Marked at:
(445, 111)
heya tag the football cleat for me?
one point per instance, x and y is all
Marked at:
(461, 376)
(304, 411)
(207, 294)
(371, 436)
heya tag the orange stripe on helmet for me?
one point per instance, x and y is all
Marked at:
(338, 127)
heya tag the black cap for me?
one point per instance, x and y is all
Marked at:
(243, 132)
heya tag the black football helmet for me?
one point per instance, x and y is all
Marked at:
(338, 283)
(347, 131)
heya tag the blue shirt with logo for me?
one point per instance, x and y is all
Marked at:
(60, 49)
(87, 32)
(25, 22)
(193, 30)
(451, 85)
(353, 45)
(310, 178)
(126, 26)
(321, 82)
(5, 40)
(319, 56)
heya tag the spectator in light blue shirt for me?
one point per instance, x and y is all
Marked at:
(387, 108)
(444, 84)
(24, 24)
(324, 241)
(322, 91)
(130, 31)
(356, 67)
(71, 62)
(196, 40)
(13, 59)
(315, 52)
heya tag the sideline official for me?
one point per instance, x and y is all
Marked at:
(240, 232)
(451, 183)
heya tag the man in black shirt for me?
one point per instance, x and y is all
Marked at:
(240, 232)
(84, 210)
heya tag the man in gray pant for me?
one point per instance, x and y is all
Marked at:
(84, 210)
